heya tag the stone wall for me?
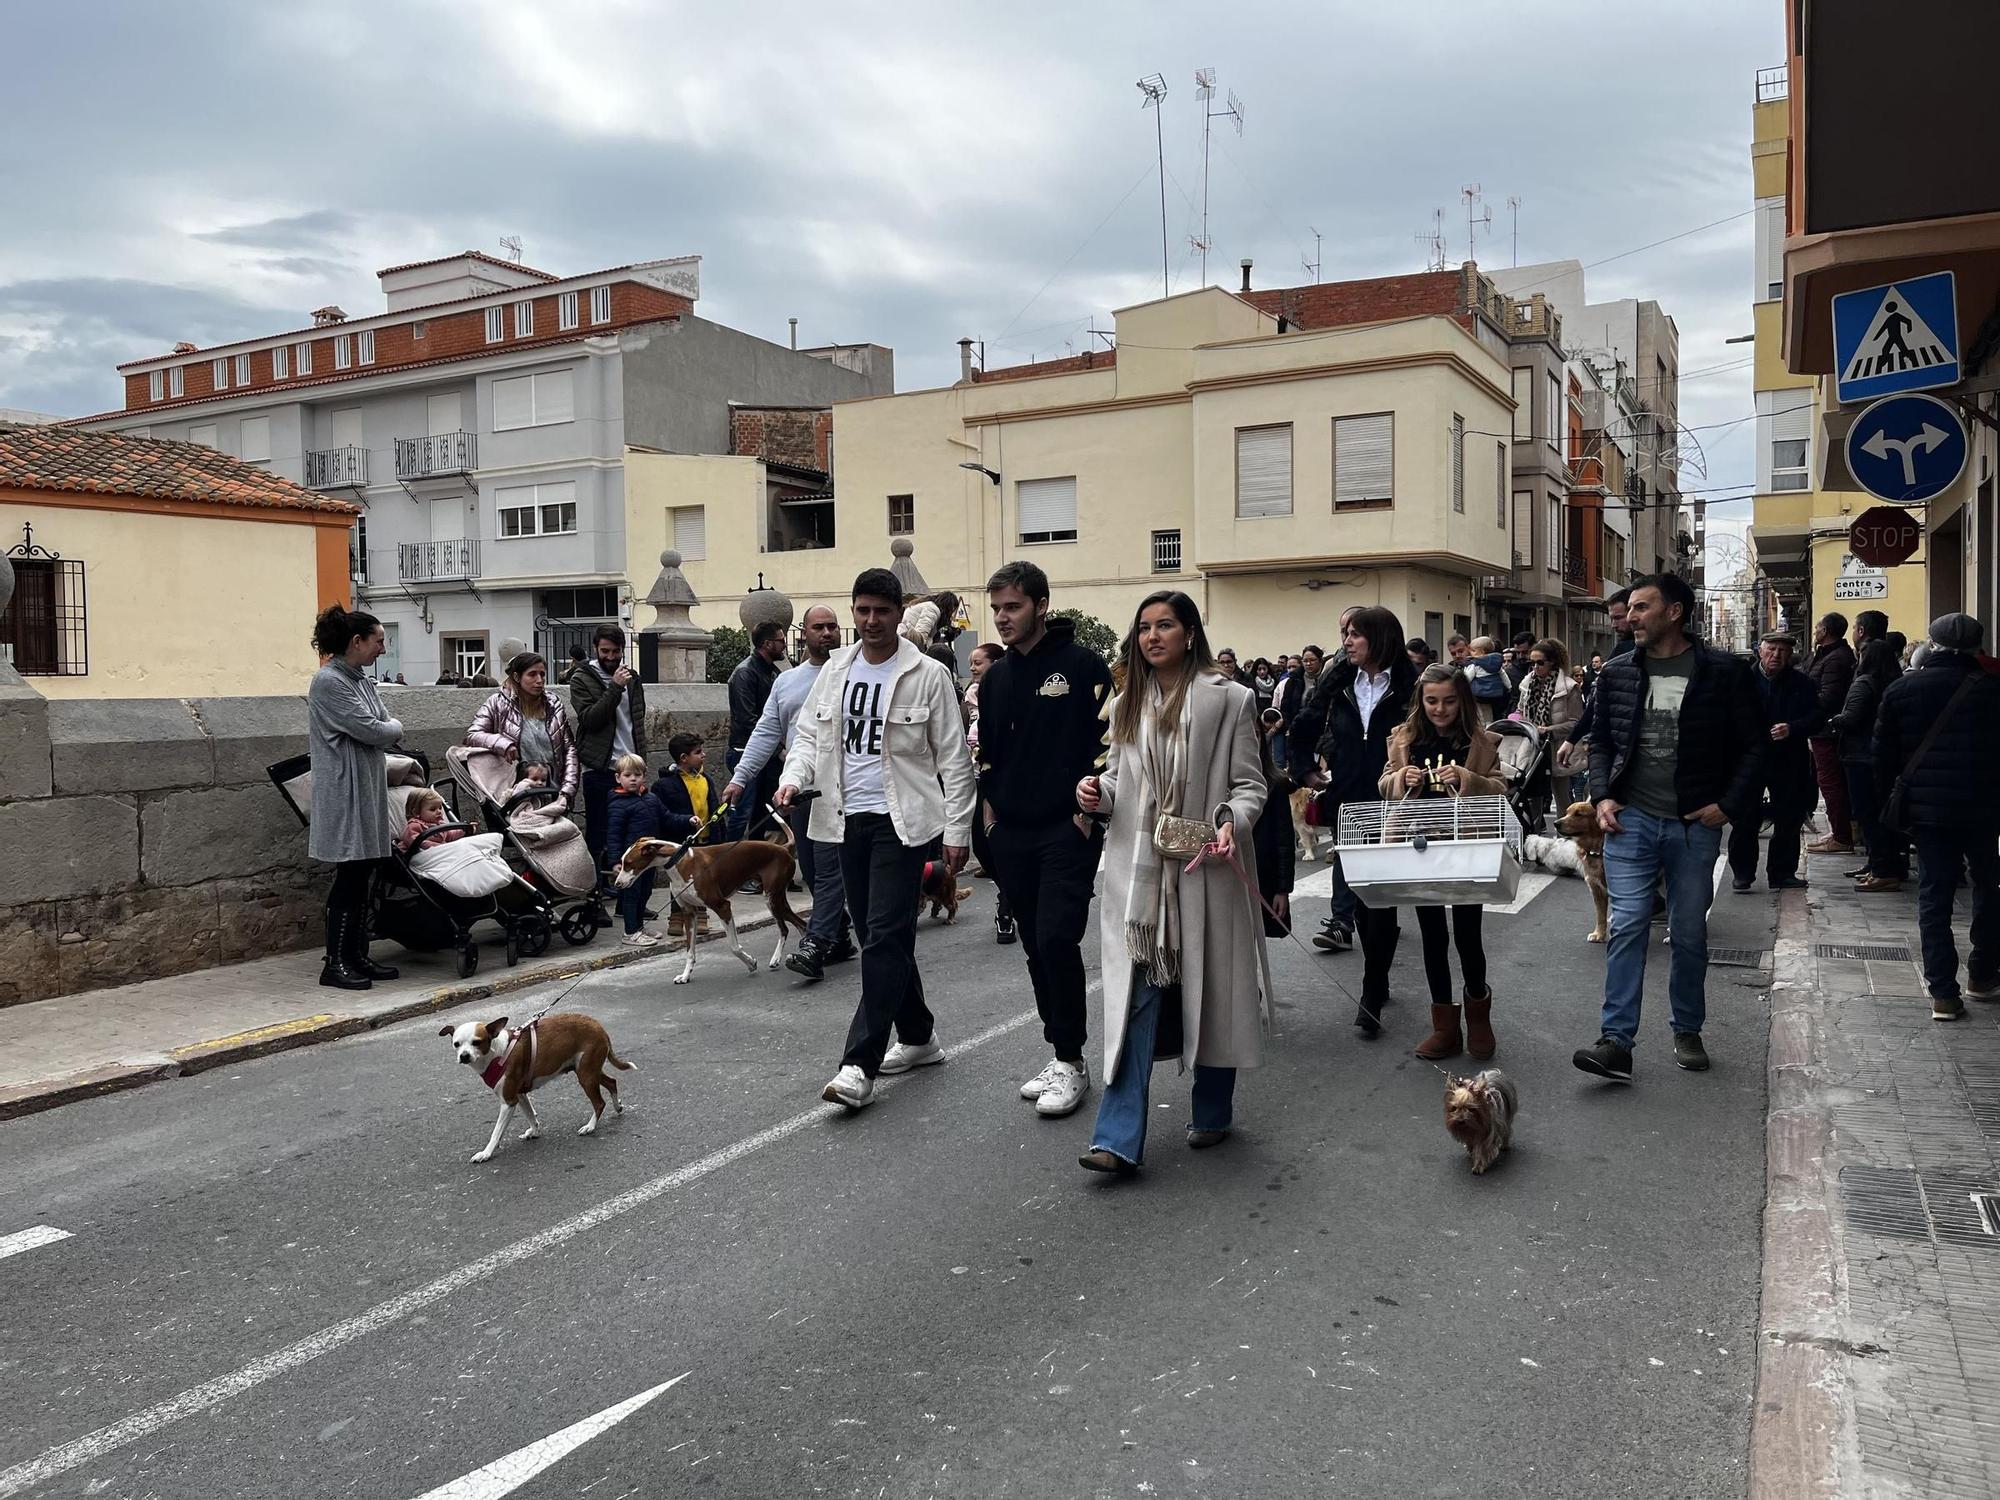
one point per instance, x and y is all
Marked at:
(141, 837)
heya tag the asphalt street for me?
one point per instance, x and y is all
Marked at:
(286, 1278)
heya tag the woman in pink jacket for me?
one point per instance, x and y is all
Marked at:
(525, 724)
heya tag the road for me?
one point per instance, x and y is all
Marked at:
(286, 1278)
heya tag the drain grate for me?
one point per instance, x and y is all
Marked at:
(1739, 958)
(1883, 952)
(1885, 1201)
(1987, 1205)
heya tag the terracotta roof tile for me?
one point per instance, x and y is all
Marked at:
(491, 260)
(104, 463)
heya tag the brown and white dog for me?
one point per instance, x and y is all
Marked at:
(1307, 834)
(513, 1062)
(1579, 824)
(707, 875)
(1479, 1114)
(941, 889)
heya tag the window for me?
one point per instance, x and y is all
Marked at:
(281, 363)
(1500, 485)
(253, 440)
(1457, 460)
(590, 603)
(1552, 419)
(343, 351)
(1524, 528)
(902, 514)
(1555, 557)
(1462, 624)
(44, 631)
(1263, 471)
(1364, 461)
(1524, 405)
(364, 346)
(357, 551)
(1167, 551)
(303, 358)
(690, 531)
(202, 433)
(219, 373)
(464, 654)
(533, 400)
(1047, 509)
(1784, 441)
(177, 381)
(156, 384)
(242, 369)
(524, 319)
(1788, 464)
(566, 310)
(496, 324)
(600, 304)
(1769, 284)
(420, 328)
(537, 509)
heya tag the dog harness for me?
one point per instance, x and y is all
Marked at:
(497, 1069)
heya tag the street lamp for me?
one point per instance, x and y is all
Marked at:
(992, 474)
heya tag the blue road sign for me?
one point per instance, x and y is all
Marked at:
(1900, 337)
(1906, 449)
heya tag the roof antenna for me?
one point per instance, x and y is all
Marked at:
(1204, 91)
(1312, 265)
(511, 243)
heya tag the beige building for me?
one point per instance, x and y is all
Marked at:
(1275, 473)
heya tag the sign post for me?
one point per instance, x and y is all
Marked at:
(1883, 537)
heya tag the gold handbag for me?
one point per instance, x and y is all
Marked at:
(1181, 838)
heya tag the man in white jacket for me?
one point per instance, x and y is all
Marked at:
(880, 739)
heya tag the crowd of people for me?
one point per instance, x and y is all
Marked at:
(1162, 785)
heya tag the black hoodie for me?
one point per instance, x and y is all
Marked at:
(1041, 728)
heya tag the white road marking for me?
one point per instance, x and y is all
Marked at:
(30, 1239)
(507, 1474)
(212, 1393)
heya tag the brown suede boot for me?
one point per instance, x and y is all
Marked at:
(1479, 1024)
(1443, 1040)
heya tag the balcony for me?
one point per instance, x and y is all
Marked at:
(442, 455)
(1773, 84)
(437, 562)
(1576, 572)
(1508, 582)
(337, 469)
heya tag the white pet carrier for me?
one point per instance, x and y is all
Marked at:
(1431, 851)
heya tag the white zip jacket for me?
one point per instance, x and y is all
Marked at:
(927, 770)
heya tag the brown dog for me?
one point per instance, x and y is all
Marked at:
(1579, 824)
(514, 1062)
(705, 876)
(1479, 1114)
(941, 889)
(1306, 834)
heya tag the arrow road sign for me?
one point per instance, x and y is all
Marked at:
(1907, 449)
(1900, 337)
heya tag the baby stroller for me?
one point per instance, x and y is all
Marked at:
(417, 904)
(549, 850)
(1524, 766)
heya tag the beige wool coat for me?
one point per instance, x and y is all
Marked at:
(1225, 976)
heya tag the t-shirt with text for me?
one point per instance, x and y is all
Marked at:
(1650, 787)
(864, 711)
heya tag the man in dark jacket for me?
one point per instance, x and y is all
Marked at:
(1936, 733)
(1621, 629)
(1832, 672)
(1792, 714)
(749, 687)
(1041, 731)
(610, 706)
(1677, 752)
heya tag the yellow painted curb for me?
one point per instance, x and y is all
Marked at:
(257, 1034)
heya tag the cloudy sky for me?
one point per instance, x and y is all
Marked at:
(902, 173)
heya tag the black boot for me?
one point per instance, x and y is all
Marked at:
(357, 951)
(338, 972)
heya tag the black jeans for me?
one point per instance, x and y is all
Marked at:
(882, 877)
(1942, 855)
(352, 880)
(1379, 932)
(1045, 877)
(1464, 930)
(597, 817)
(1888, 850)
(1783, 861)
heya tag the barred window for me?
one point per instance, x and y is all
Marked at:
(1167, 551)
(45, 631)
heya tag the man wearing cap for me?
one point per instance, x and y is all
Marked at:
(1934, 743)
(1792, 715)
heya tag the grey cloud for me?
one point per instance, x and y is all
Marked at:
(307, 231)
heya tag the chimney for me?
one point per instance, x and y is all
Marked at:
(1246, 273)
(965, 359)
(795, 331)
(326, 317)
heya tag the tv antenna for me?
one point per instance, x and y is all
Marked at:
(1154, 87)
(1204, 91)
(1475, 217)
(1433, 241)
(1312, 266)
(511, 243)
(1514, 213)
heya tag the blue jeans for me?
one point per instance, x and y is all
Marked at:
(1122, 1109)
(1685, 853)
(632, 902)
(819, 864)
(1343, 904)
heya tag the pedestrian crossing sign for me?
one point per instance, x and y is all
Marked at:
(1900, 337)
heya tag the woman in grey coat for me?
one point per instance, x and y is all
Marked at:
(1185, 974)
(347, 730)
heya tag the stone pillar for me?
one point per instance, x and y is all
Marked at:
(680, 647)
(904, 566)
(765, 603)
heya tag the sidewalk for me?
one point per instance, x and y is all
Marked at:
(54, 1052)
(1879, 1368)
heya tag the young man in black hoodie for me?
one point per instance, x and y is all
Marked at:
(1041, 731)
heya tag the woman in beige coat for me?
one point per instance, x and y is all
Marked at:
(1185, 973)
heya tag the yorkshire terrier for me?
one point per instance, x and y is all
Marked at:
(1479, 1113)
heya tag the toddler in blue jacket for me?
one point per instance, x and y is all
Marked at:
(635, 814)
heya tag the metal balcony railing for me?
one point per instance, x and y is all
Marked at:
(1575, 574)
(1774, 83)
(440, 454)
(337, 469)
(437, 562)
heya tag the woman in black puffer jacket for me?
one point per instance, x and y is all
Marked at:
(1888, 862)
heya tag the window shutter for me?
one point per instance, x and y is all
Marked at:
(691, 532)
(1048, 508)
(555, 399)
(1364, 459)
(1458, 463)
(1524, 404)
(513, 402)
(1524, 528)
(1500, 484)
(254, 440)
(1263, 472)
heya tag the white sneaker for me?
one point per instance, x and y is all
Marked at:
(1034, 1087)
(851, 1087)
(1065, 1090)
(641, 939)
(902, 1057)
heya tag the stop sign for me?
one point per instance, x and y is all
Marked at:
(1885, 536)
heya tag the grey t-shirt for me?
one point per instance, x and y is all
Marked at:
(1650, 787)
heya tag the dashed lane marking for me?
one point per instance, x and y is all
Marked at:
(508, 1473)
(30, 1239)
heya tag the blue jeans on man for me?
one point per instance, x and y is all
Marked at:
(1685, 854)
(819, 866)
(1122, 1110)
